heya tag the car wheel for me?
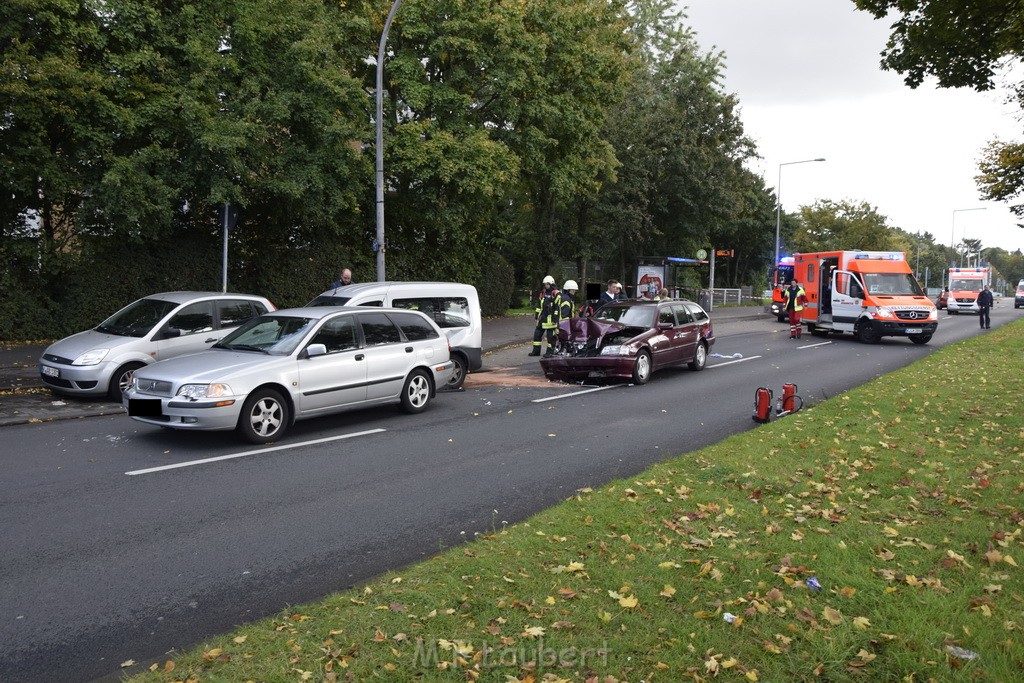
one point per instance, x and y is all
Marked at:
(921, 338)
(867, 334)
(264, 417)
(416, 392)
(459, 376)
(642, 368)
(700, 357)
(122, 380)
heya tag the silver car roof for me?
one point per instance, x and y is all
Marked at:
(183, 297)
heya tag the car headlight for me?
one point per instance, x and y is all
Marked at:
(884, 312)
(933, 314)
(615, 350)
(92, 357)
(196, 391)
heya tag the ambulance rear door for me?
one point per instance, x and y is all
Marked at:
(806, 273)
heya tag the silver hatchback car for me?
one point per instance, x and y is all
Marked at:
(101, 360)
(295, 364)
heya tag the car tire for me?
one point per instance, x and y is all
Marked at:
(459, 376)
(642, 367)
(265, 416)
(416, 392)
(867, 334)
(700, 357)
(121, 380)
(921, 338)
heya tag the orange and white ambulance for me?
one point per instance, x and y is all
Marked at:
(965, 284)
(871, 294)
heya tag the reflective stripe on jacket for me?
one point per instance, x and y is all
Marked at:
(798, 305)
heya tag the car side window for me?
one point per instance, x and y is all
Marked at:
(193, 319)
(234, 312)
(682, 314)
(337, 334)
(698, 313)
(413, 326)
(377, 303)
(378, 329)
(446, 311)
(665, 315)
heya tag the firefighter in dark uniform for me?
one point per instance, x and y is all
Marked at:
(565, 305)
(546, 315)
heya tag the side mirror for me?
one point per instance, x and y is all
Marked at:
(665, 326)
(316, 350)
(170, 333)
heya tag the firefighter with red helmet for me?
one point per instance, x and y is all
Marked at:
(546, 315)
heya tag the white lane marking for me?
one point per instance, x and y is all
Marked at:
(731, 362)
(191, 463)
(811, 346)
(577, 393)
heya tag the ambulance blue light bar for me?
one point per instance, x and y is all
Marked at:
(879, 255)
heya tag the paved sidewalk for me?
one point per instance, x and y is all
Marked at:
(24, 398)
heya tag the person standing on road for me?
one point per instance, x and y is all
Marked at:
(793, 299)
(984, 305)
(546, 315)
(566, 306)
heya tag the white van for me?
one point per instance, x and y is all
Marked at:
(453, 306)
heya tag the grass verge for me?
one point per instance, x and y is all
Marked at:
(875, 536)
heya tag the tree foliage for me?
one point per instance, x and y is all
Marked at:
(844, 225)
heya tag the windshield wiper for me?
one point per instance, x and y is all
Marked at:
(242, 347)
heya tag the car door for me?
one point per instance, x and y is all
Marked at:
(189, 330)
(663, 344)
(337, 378)
(847, 299)
(687, 332)
(388, 356)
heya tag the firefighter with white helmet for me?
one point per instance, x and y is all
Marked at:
(566, 304)
(546, 315)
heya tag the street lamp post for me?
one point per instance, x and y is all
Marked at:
(778, 207)
(379, 241)
(952, 233)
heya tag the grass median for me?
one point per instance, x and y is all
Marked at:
(875, 536)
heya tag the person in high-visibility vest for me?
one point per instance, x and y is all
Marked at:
(566, 300)
(546, 315)
(793, 300)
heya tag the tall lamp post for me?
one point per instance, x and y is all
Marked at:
(379, 241)
(778, 208)
(952, 232)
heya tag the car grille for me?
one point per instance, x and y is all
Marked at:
(913, 314)
(964, 300)
(153, 387)
(57, 359)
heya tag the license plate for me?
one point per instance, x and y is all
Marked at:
(144, 407)
(48, 371)
(913, 331)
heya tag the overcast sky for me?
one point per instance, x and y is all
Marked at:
(807, 77)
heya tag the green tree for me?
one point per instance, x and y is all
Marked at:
(962, 43)
(828, 225)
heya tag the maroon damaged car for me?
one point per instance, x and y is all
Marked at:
(629, 340)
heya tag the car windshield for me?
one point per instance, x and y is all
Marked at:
(959, 284)
(894, 284)
(274, 335)
(137, 319)
(328, 300)
(638, 315)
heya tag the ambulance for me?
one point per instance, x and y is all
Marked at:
(783, 274)
(870, 294)
(965, 284)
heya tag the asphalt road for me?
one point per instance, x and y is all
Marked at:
(108, 559)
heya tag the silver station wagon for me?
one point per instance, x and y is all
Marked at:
(295, 364)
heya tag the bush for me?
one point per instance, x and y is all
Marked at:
(495, 286)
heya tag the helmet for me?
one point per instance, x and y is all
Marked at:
(549, 280)
(570, 285)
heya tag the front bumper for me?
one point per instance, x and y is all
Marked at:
(579, 368)
(954, 306)
(886, 328)
(78, 380)
(181, 413)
